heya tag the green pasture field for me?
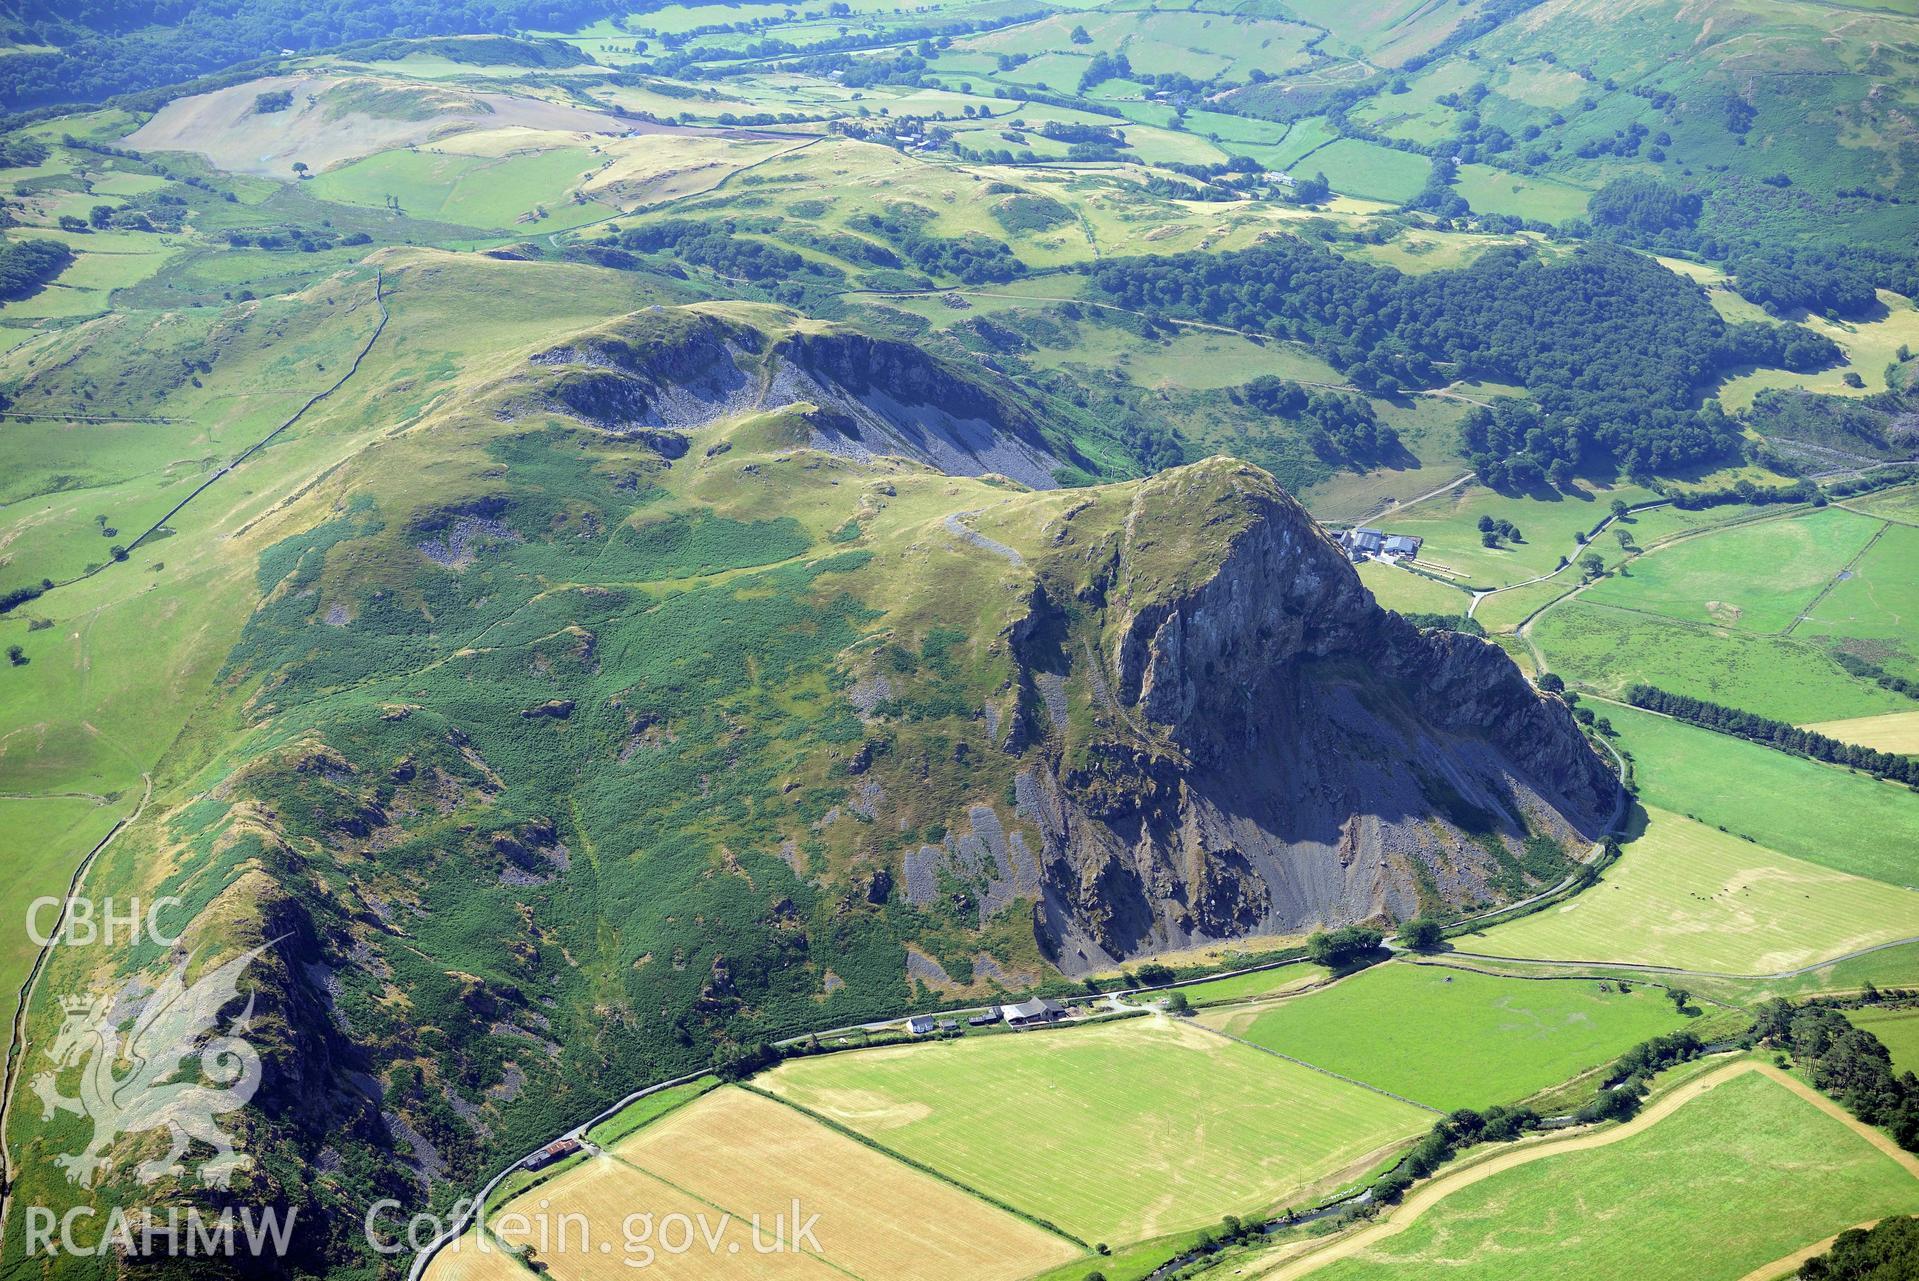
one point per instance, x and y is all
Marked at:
(1490, 190)
(1896, 1028)
(1756, 577)
(1361, 168)
(1181, 1125)
(1821, 813)
(42, 840)
(1407, 592)
(1689, 896)
(1451, 1038)
(1301, 137)
(86, 287)
(1742, 1175)
(488, 192)
(71, 481)
(1608, 649)
(1877, 601)
(1449, 524)
(1503, 611)
(1416, 115)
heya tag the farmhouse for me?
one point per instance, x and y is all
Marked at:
(550, 1153)
(1027, 1013)
(920, 1025)
(1361, 542)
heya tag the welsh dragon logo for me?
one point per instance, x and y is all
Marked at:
(127, 1078)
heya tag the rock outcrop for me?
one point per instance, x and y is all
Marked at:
(659, 374)
(1275, 751)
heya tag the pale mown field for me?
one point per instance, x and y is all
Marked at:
(735, 1165)
(1114, 1133)
(1690, 896)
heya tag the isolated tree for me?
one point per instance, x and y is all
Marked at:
(16, 656)
(1347, 945)
(1081, 36)
(1680, 998)
(1551, 683)
(1619, 509)
(1178, 1004)
(1421, 934)
(1591, 566)
(300, 168)
(100, 216)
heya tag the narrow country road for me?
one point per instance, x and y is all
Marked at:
(17, 1042)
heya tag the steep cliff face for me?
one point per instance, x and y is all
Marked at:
(1277, 751)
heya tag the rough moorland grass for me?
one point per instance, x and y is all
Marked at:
(1757, 577)
(1451, 1038)
(1894, 504)
(643, 1112)
(1897, 1029)
(1742, 1175)
(1242, 987)
(1877, 603)
(1690, 896)
(1817, 812)
(1114, 1133)
(1782, 677)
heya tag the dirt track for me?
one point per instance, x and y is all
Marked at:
(1425, 1197)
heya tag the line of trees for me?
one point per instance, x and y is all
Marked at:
(28, 266)
(1780, 734)
(1870, 671)
(1847, 1062)
(1888, 1250)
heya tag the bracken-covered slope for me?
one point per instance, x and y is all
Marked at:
(646, 693)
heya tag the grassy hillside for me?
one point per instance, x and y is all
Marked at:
(613, 536)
